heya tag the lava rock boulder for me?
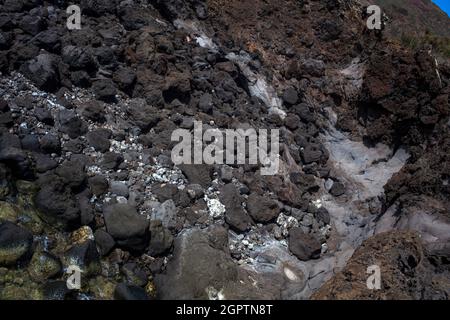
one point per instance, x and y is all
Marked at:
(304, 246)
(262, 209)
(128, 228)
(15, 243)
(43, 71)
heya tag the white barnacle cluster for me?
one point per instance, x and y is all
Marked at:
(286, 222)
(215, 207)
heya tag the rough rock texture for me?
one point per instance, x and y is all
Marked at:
(126, 226)
(303, 246)
(200, 262)
(87, 177)
(15, 242)
(408, 271)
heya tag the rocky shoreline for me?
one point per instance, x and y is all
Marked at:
(86, 118)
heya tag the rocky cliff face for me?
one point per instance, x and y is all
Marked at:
(415, 24)
(85, 153)
(416, 17)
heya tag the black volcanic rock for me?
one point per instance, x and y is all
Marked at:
(56, 203)
(15, 243)
(262, 209)
(71, 124)
(235, 215)
(43, 71)
(126, 226)
(105, 90)
(303, 246)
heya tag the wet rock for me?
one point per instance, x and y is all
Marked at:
(8, 212)
(5, 178)
(105, 90)
(43, 71)
(98, 185)
(126, 226)
(262, 209)
(99, 139)
(235, 215)
(15, 243)
(134, 275)
(161, 238)
(71, 124)
(105, 243)
(85, 256)
(81, 235)
(130, 292)
(303, 246)
(44, 266)
(56, 290)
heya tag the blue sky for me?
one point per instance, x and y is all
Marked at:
(444, 4)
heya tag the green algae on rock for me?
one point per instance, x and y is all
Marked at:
(43, 266)
(85, 256)
(15, 243)
(102, 288)
(8, 212)
(26, 187)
